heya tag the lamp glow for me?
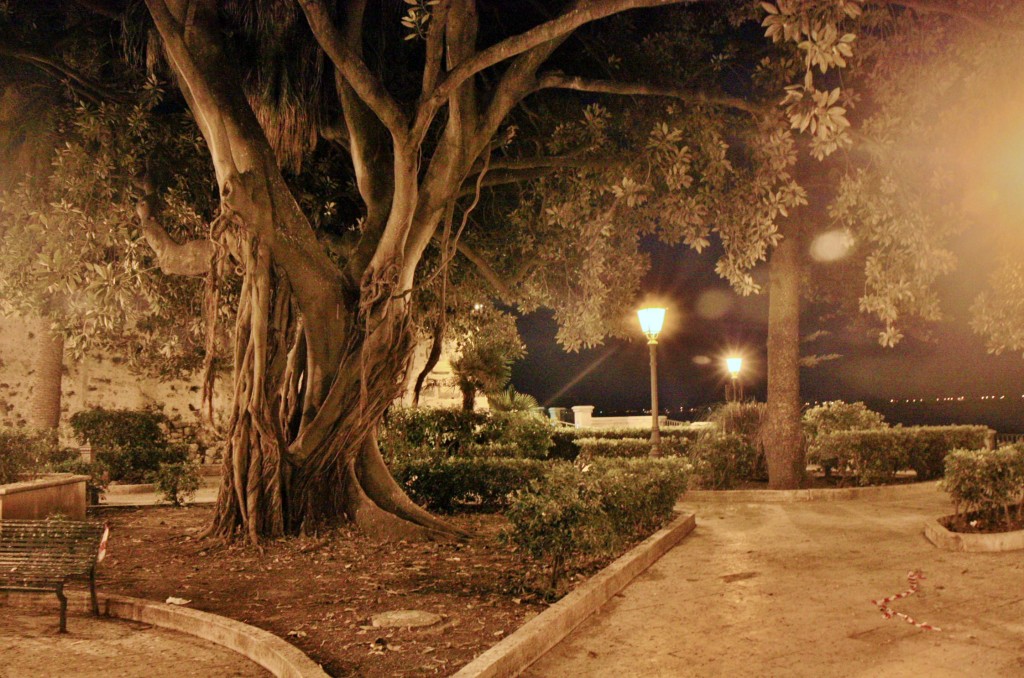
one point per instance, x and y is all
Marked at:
(734, 365)
(651, 321)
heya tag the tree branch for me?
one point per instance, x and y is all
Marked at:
(486, 271)
(353, 69)
(557, 80)
(81, 84)
(582, 13)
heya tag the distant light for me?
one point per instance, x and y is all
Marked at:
(734, 365)
(832, 245)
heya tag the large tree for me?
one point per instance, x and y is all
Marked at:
(323, 336)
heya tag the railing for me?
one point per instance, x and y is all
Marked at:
(1009, 438)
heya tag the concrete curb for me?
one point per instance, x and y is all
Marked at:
(528, 643)
(937, 534)
(262, 647)
(791, 496)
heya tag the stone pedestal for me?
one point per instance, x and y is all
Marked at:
(582, 415)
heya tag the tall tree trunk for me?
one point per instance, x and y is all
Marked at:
(468, 396)
(784, 449)
(44, 412)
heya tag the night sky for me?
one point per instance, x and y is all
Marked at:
(708, 321)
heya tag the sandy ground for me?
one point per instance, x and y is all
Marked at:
(104, 648)
(786, 590)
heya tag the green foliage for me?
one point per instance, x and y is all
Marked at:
(436, 433)
(998, 314)
(722, 460)
(74, 253)
(985, 481)
(177, 481)
(836, 415)
(629, 447)
(742, 418)
(24, 452)
(511, 400)
(684, 433)
(573, 516)
(876, 456)
(130, 444)
(488, 344)
(457, 483)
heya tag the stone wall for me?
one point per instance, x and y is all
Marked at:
(92, 383)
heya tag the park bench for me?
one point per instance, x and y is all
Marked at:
(42, 555)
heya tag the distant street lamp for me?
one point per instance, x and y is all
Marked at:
(735, 393)
(651, 320)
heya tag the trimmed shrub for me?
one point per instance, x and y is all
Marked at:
(837, 415)
(633, 432)
(564, 445)
(747, 420)
(723, 460)
(876, 456)
(639, 494)
(446, 485)
(634, 448)
(572, 516)
(559, 519)
(985, 481)
(131, 444)
(435, 433)
(24, 452)
(928, 446)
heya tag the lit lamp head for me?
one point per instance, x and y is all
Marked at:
(651, 320)
(734, 365)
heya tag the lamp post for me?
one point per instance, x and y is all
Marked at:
(736, 392)
(651, 320)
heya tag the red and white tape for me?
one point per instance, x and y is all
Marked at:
(887, 612)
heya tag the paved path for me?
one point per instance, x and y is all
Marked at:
(30, 647)
(786, 590)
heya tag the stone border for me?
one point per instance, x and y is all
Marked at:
(792, 496)
(530, 641)
(277, 656)
(937, 534)
(261, 647)
(146, 488)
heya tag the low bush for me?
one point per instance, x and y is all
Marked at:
(876, 456)
(590, 448)
(747, 420)
(131, 444)
(723, 460)
(178, 481)
(411, 433)
(446, 485)
(837, 415)
(985, 481)
(687, 433)
(24, 452)
(572, 516)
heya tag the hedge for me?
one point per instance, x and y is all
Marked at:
(24, 452)
(876, 456)
(572, 516)
(722, 460)
(453, 483)
(412, 433)
(590, 448)
(985, 481)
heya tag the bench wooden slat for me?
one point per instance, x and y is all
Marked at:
(41, 555)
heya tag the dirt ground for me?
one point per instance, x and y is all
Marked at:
(30, 647)
(320, 593)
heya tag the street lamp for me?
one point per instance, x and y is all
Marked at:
(736, 392)
(651, 320)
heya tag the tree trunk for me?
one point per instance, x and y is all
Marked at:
(783, 437)
(468, 396)
(44, 412)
